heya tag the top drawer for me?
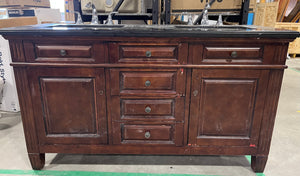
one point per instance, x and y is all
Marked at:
(70, 52)
(233, 54)
(148, 53)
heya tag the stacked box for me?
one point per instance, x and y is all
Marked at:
(25, 3)
(9, 100)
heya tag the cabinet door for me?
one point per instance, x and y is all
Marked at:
(227, 107)
(69, 105)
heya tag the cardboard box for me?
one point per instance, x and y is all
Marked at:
(20, 21)
(9, 101)
(266, 14)
(294, 47)
(42, 14)
(179, 6)
(25, 3)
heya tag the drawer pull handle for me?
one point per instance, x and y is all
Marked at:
(148, 54)
(234, 54)
(147, 109)
(147, 83)
(147, 135)
(63, 52)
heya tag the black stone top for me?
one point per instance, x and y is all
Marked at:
(226, 31)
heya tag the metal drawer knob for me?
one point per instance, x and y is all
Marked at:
(195, 93)
(147, 135)
(63, 52)
(147, 83)
(148, 54)
(147, 109)
(234, 54)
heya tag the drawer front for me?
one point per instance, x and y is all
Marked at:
(148, 53)
(147, 107)
(232, 54)
(147, 132)
(65, 52)
(148, 81)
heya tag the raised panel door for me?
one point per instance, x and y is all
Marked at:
(69, 105)
(227, 107)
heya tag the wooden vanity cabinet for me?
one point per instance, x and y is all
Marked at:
(127, 95)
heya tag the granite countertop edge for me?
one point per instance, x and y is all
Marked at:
(148, 31)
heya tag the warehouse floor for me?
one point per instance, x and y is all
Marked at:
(284, 156)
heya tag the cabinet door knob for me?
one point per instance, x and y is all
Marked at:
(195, 92)
(147, 109)
(147, 83)
(101, 92)
(148, 54)
(63, 52)
(234, 54)
(147, 135)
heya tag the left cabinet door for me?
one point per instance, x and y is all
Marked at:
(69, 105)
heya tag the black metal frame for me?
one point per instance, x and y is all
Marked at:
(244, 12)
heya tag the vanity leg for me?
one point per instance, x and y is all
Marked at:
(37, 160)
(258, 163)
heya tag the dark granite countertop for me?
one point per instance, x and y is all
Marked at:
(151, 31)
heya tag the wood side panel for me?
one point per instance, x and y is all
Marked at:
(17, 50)
(270, 108)
(26, 105)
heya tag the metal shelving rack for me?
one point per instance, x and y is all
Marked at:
(154, 15)
(242, 17)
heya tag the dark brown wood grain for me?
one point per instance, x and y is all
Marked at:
(175, 96)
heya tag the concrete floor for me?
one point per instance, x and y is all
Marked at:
(284, 156)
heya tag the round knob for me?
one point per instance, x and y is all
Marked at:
(101, 92)
(148, 54)
(147, 135)
(147, 83)
(147, 109)
(234, 54)
(63, 52)
(195, 92)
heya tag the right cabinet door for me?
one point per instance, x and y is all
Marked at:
(226, 106)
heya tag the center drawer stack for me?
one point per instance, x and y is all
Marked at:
(147, 103)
